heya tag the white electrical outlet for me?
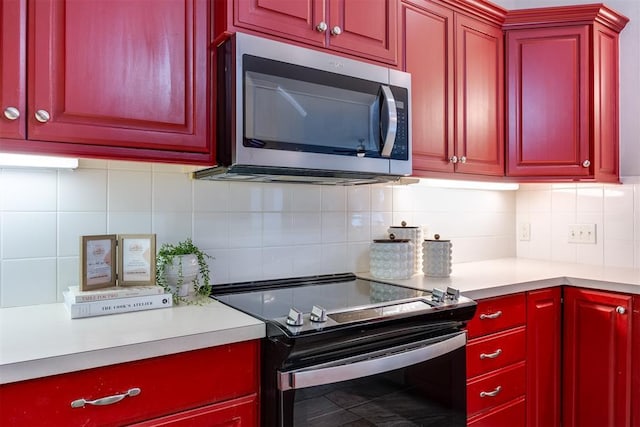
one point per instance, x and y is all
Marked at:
(524, 232)
(582, 233)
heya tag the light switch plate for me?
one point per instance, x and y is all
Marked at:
(582, 233)
(524, 232)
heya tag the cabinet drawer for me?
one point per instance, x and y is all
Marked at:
(495, 351)
(167, 385)
(497, 314)
(511, 414)
(493, 389)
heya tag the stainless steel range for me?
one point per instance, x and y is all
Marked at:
(347, 351)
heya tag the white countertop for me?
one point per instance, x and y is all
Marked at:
(42, 340)
(491, 278)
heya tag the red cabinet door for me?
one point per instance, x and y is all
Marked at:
(597, 359)
(241, 412)
(548, 100)
(479, 97)
(105, 77)
(13, 24)
(299, 20)
(544, 349)
(364, 27)
(432, 84)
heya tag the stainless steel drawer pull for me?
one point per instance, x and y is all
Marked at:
(491, 316)
(491, 393)
(79, 403)
(493, 355)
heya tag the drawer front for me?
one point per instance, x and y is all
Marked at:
(497, 314)
(167, 384)
(494, 389)
(511, 414)
(495, 351)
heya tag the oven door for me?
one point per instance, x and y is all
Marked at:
(417, 384)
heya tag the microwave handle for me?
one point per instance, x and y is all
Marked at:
(344, 371)
(388, 121)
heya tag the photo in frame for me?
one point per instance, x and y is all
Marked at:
(97, 262)
(136, 259)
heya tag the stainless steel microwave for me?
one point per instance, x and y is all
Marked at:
(287, 113)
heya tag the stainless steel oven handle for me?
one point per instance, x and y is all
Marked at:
(390, 114)
(344, 371)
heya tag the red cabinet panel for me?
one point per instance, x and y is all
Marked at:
(544, 349)
(168, 384)
(457, 87)
(356, 27)
(510, 414)
(497, 314)
(495, 351)
(496, 388)
(107, 79)
(562, 92)
(597, 358)
(240, 412)
(13, 25)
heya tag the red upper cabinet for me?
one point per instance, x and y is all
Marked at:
(457, 85)
(116, 80)
(562, 92)
(597, 358)
(356, 27)
(13, 24)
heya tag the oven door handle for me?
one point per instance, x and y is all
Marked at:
(343, 370)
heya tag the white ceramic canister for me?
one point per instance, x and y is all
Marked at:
(391, 258)
(415, 235)
(437, 257)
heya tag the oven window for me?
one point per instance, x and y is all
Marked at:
(430, 393)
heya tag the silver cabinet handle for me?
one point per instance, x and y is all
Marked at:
(11, 113)
(492, 393)
(463, 159)
(336, 31)
(79, 403)
(321, 27)
(621, 310)
(493, 355)
(491, 316)
(586, 164)
(42, 116)
(453, 159)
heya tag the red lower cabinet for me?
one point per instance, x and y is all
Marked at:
(597, 358)
(496, 362)
(212, 386)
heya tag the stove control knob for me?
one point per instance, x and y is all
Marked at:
(437, 295)
(295, 317)
(318, 314)
(453, 294)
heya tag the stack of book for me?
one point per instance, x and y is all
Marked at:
(112, 300)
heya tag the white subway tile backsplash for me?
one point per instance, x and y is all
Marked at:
(171, 227)
(67, 274)
(244, 264)
(210, 196)
(245, 229)
(171, 192)
(359, 226)
(129, 222)
(28, 235)
(129, 191)
(211, 230)
(334, 259)
(333, 198)
(245, 197)
(359, 198)
(334, 227)
(82, 190)
(28, 191)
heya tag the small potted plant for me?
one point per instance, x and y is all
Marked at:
(179, 270)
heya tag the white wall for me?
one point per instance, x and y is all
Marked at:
(629, 74)
(255, 231)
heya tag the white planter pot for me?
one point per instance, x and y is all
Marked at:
(190, 269)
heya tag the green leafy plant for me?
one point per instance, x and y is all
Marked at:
(165, 258)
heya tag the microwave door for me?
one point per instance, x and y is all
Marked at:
(388, 120)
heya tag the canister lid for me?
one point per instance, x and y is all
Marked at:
(403, 224)
(391, 239)
(436, 238)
